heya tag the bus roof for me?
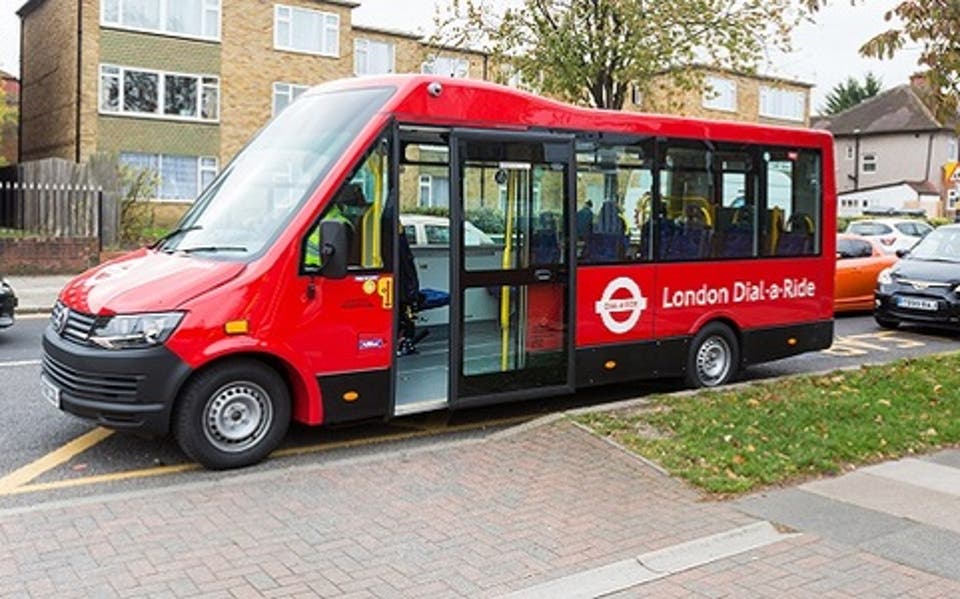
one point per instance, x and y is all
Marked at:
(473, 103)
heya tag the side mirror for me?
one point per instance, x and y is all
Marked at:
(902, 253)
(334, 247)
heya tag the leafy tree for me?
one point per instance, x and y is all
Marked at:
(933, 25)
(592, 51)
(850, 93)
(8, 115)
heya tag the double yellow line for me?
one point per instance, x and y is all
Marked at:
(20, 481)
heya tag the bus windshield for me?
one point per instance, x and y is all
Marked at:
(251, 201)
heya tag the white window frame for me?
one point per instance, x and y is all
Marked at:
(289, 92)
(361, 47)
(330, 24)
(850, 154)
(425, 182)
(201, 167)
(636, 96)
(952, 149)
(718, 92)
(774, 103)
(206, 7)
(202, 84)
(462, 70)
(871, 159)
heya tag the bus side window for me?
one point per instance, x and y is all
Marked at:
(794, 190)
(614, 187)
(359, 203)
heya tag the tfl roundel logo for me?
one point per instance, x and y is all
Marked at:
(621, 305)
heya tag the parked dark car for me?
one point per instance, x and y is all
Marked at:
(924, 286)
(8, 301)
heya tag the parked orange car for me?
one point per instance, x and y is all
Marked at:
(859, 262)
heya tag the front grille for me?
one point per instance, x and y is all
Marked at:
(91, 385)
(73, 326)
(921, 285)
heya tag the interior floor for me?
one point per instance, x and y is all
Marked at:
(422, 378)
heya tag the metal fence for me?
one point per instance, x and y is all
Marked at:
(52, 209)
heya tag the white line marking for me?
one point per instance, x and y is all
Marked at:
(20, 363)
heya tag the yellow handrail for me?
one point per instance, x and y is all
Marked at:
(512, 201)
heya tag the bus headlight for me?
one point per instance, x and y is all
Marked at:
(135, 331)
(884, 277)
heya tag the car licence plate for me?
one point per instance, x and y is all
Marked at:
(49, 391)
(914, 303)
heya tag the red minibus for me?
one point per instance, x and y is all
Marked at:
(569, 248)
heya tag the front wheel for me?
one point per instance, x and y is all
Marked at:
(233, 414)
(714, 357)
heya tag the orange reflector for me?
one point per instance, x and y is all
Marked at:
(351, 396)
(792, 341)
(610, 365)
(237, 327)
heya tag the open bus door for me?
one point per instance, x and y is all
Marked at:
(526, 349)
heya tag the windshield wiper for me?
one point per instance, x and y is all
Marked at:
(212, 248)
(174, 233)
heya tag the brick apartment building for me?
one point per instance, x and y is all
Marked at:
(727, 95)
(180, 85)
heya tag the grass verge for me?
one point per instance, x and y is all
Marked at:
(737, 440)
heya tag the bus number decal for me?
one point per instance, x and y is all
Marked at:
(633, 305)
(385, 289)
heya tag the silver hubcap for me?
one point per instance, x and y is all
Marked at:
(237, 417)
(713, 361)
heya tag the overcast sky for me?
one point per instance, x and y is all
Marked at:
(826, 51)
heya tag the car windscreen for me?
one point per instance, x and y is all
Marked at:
(939, 245)
(259, 192)
(853, 248)
(869, 229)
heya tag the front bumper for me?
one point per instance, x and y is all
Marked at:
(946, 315)
(131, 390)
(8, 302)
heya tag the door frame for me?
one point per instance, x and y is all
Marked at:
(457, 263)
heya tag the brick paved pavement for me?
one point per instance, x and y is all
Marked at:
(470, 519)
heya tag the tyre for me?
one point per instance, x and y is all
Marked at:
(233, 414)
(714, 357)
(886, 323)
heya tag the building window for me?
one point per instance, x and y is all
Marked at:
(372, 57)
(869, 162)
(304, 30)
(720, 94)
(850, 153)
(180, 177)
(951, 149)
(781, 104)
(187, 18)
(637, 95)
(447, 67)
(284, 94)
(426, 188)
(142, 92)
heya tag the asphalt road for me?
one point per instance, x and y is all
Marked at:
(48, 455)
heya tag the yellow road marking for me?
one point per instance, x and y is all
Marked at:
(100, 478)
(27, 473)
(16, 483)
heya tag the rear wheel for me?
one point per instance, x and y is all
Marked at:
(714, 357)
(233, 414)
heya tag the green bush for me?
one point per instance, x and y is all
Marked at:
(487, 220)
